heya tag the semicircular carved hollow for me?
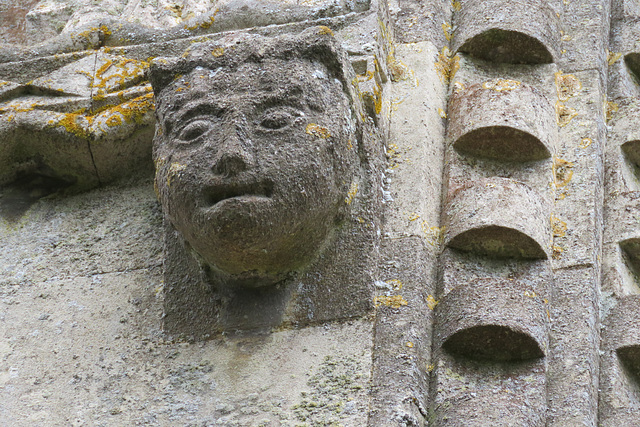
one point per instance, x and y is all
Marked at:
(503, 120)
(516, 31)
(487, 320)
(499, 218)
(631, 252)
(631, 150)
(633, 64)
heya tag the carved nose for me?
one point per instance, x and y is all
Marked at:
(233, 154)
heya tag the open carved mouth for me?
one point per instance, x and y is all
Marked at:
(218, 193)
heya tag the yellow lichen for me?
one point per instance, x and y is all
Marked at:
(434, 235)
(585, 142)
(442, 113)
(501, 85)
(174, 170)
(446, 28)
(395, 284)
(217, 52)
(413, 216)
(324, 30)
(564, 114)
(562, 172)
(530, 294)
(353, 190)
(394, 301)
(556, 252)
(567, 85)
(455, 4)
(431, 302)
(318, 131)
(447, 65)
(612, 57)
(458, 87)
(610, 109)
(409, 344)
(559, 227)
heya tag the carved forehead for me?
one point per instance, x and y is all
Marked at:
(305, 83)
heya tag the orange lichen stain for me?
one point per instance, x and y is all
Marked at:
(413, 216)
(217, 52)
(350, 144)
(430, 367)
(501, 85)
(446, 28)
(585, 142)
(116, 74)
(562, 172)
(353, 190)
(133, 111)
(458, 87)
(556, 252)
(558, 227)
(74, 124)
(530, 294)
(114, 121)
(395, 284)
(432, 302)
(610, 109)
(398, 70)
(447, 65)
(324, 30)
(455, 4)
(434, 235)
(409, 344)
(564, 114)
(394, 301)
(174, 170)
(318, 131)
(567, 85)
(613, 57)
(442, 113)
(368, 75)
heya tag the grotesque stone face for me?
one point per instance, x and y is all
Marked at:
(254, 163)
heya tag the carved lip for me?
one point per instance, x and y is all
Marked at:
(217, 193)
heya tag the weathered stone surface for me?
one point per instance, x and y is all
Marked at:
(499, 218)
(502, 119)
(520, 32)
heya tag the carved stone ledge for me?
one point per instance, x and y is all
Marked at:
(500, 218)
(503, 120)
(519, 32)
(497, 321)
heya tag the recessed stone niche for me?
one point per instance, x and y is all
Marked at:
(631, 150)
(500, 321)
(503, 120)
(633, 64)
(499, 218)
(516, 32)
(631, 253)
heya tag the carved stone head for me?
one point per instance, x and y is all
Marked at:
(255, 151)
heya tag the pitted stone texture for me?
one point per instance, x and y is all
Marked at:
(502, 119)
(492, 320)
(620, 365)
(498, 217)
(481, 393)
(517, 31)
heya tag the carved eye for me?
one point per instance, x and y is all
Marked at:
(276, 119)
(194, 130)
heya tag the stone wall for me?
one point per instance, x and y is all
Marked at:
(486, 272)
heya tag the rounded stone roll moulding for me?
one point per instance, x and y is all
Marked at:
(499, 218)
(502, 120)
(500, 321)
(515, 31)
